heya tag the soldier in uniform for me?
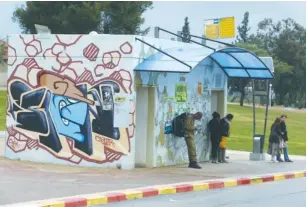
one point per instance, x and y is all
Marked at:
(189, 137)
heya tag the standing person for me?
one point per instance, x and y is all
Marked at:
(225, 128)
(275, 139)
(215, 135)
(284, 137)
(189, 137)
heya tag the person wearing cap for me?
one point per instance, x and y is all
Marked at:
(189, 137)
(215, 135)
(225, 132)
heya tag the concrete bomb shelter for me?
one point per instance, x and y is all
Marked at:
(103, 100)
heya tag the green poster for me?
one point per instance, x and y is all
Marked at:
(181, 93)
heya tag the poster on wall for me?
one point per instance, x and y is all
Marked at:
(199, 88)
(121, 110)
(181, 93)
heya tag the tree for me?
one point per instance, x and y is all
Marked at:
(282, 79)
(82, 17)
(124, 17)
(286, 41)
(186, 31)
(2, 52)
(243, 29)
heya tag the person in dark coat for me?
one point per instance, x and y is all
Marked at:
(215, 135)
(275, 139)
(284, 137)
(225, 132)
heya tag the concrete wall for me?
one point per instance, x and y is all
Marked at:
(170, 150)
(73, 99)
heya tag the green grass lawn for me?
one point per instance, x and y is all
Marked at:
(2, 110)
(241, 127)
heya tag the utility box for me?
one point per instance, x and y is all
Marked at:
(258, 143)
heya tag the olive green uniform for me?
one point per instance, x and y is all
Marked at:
(189, 137)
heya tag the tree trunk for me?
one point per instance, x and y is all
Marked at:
(281, 100)
(242, 97)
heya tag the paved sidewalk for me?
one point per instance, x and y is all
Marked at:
(26, 181)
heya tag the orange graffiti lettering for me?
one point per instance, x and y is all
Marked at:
(105, 141)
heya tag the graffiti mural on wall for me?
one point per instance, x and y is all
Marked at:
(58, 104)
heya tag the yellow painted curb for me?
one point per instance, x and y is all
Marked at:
(299, 175)
(230, 183)
(200, 186)
(52, 204)
(166, 190)
(131, 195)
(279, 177)
(96, 200)
(101, 198)
(256, 180)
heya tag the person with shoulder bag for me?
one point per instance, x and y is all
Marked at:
(225, 133)
(183, 126)
(275, 140)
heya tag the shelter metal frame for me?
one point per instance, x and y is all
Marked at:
(230, 50)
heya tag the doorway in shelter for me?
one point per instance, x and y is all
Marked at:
(217, 102)
(144, 128)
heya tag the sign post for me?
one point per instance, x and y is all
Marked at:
(258, 89)
(261, 88)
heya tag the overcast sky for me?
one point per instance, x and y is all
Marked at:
(170, 15)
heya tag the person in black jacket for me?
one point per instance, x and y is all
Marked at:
(225, 132)
(275, 139)
(284, 137)
(215, 135)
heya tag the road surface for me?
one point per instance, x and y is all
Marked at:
(280, 193)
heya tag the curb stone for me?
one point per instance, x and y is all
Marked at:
(131, 194)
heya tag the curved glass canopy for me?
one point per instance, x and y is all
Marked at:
(240, 63)
(235, 62)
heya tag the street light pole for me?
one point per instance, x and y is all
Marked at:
(270, 95)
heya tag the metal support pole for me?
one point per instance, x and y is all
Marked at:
(203, 40)
(179, 39)
(156, 32)
(254, 108)
(266, 109)
(270, 96)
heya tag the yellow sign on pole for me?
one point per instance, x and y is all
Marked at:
(220, 28)
(227, 27)
(212, 31)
